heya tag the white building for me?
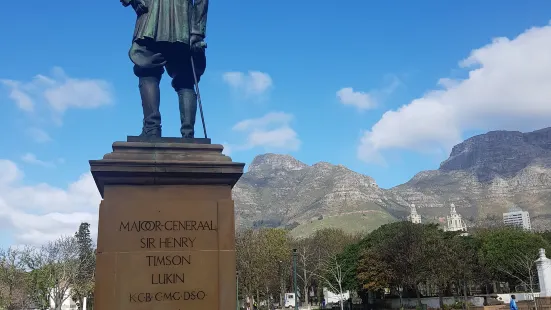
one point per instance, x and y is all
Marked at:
(414, 217)
(518, 218)
(455, 221)
(333, 298)
(68, 303)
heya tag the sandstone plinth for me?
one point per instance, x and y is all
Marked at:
(166, 227)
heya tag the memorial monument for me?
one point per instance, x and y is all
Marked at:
(169, 34)
(166, 221)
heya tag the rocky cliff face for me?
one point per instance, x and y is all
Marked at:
(279, 190)
(484, 175)
(500, 154)
(487, 175)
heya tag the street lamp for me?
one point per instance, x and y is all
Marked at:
(237, 290)
(295, 277)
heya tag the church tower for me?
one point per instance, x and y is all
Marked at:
(455, 221)
(414, 217)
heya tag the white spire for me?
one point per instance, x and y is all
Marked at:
(453, 212)
(455, 221)
(542, 254)
(414, 217)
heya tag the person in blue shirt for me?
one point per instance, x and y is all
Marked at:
(513, 303)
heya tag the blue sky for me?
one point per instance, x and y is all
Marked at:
(324, 80)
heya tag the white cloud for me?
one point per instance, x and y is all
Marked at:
(507, 87)
(359, 99)
(283, 138)
(40, 213)
(252, 83)
(58, 93)
(277, 118)
(368, 100)
(38, 135)
(23, 101)
(271, 131)
(10, 173)
(30, 158)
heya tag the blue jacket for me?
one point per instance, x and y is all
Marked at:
(513, 305)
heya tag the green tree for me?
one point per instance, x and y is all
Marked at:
(395, 257)
(13, 279)
(261, 257)
(373, 272)
(84, 280)
(349, 258)
(40, 287)
(56, 267)
(352, 257)
(332, 268)
(307, 264)
(441, 259)
(247, 255)
(275, 253)
(502, 250)
(467, 267)
(547, 236)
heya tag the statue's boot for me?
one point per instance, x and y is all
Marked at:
(151, 100)
(188, 110)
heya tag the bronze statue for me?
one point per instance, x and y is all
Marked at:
(168, 34)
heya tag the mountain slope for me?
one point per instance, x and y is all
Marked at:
(279, 191)
(487, 175)
(484, 175)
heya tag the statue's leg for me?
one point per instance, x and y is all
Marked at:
(149, 70)
(183, 83)
(187, 101)
(187, 98)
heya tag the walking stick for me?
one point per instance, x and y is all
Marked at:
(204, 45)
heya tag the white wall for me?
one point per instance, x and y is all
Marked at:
(506, 298)
(431, 302)
(68, 304)
(434, 302)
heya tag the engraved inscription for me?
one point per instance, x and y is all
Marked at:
(138, 226)
(153, 259)
(167, 278)
(168, 260)
(167, 243)
(169, 296)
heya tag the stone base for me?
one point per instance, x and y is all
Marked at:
(493, 307)
(165, 162)
(544, 303)
(166, 227)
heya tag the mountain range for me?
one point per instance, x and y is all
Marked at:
(484, 176)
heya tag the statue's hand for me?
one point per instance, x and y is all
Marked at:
(139, 6)
(196, 43)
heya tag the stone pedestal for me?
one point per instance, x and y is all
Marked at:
(544, 303)
(544, 274)
(166, 226)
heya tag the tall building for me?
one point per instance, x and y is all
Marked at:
(455, 221)
(414, 217)
(518, 218)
